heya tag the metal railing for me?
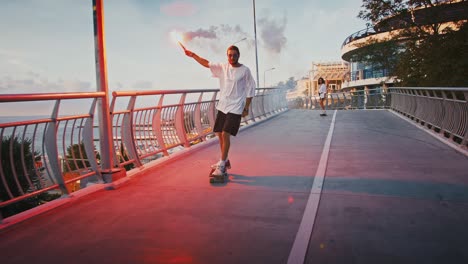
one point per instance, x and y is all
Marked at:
(145, 132)
(43, 158)
(358, 35)
(362, 99)
(443, 110)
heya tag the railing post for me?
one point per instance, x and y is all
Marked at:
(180, 122)
(128, 135)
(212, 110)
(198, 124)
(445, 116)
(157, 127)
(51, 149)
(465, 138)
(89, 142)
(105, 126)
(263, 103)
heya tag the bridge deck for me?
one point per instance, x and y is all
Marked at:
(391, 194)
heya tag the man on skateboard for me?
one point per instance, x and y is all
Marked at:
(237, 88)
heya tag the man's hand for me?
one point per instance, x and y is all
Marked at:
(189, 53)
(245, 112)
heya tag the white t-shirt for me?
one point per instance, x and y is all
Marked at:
(235, 85)
(322, 90)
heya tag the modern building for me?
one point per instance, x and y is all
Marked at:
(367, 76)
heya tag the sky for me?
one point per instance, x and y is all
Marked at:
(48, 45)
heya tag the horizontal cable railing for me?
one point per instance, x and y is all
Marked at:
(156, 123)
(43, 158)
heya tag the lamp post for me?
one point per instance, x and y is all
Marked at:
(239, 41)
(264, 81)
(255, 31)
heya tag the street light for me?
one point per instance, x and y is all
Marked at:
(239, 41)
(264, 82)
(255, 31)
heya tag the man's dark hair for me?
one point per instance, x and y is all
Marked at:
(234, 48)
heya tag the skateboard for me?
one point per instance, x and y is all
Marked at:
(219, 178)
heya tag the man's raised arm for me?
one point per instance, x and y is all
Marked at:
(199, 59)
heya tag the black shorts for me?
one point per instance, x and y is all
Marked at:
(227, 122)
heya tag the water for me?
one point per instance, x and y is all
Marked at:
(68, 133)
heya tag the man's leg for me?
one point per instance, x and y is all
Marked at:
(226, 139)
(220, 137)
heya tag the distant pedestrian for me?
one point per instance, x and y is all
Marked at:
(322, 94)
(237, 88)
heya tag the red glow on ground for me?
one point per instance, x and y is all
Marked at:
(290, 200)
(169, 257)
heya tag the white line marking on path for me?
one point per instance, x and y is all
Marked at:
(301, 243)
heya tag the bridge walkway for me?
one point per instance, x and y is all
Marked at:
(391, 193)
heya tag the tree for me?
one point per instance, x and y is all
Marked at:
(438, 60)
(123, 157)
(421, 52)
(28, 178)
(288, 85)
(76, 158)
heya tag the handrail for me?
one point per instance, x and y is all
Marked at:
(358, 35)
(443, 110)
(4, 98)
(43, 158)
(145, 133)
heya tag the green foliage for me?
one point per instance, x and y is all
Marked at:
(14, 144)
(28, 178)
(375, 10)
(437, 60)
(124, 157)
(421, 54)
(76, 158)
(288, 85)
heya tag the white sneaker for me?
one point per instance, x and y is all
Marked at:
(219, 171)
(227, 165)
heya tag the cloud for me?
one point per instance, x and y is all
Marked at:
(143, 85)
(33, 83)
(272, 33)
(179, 9)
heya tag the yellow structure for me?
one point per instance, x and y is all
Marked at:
(334, 74)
